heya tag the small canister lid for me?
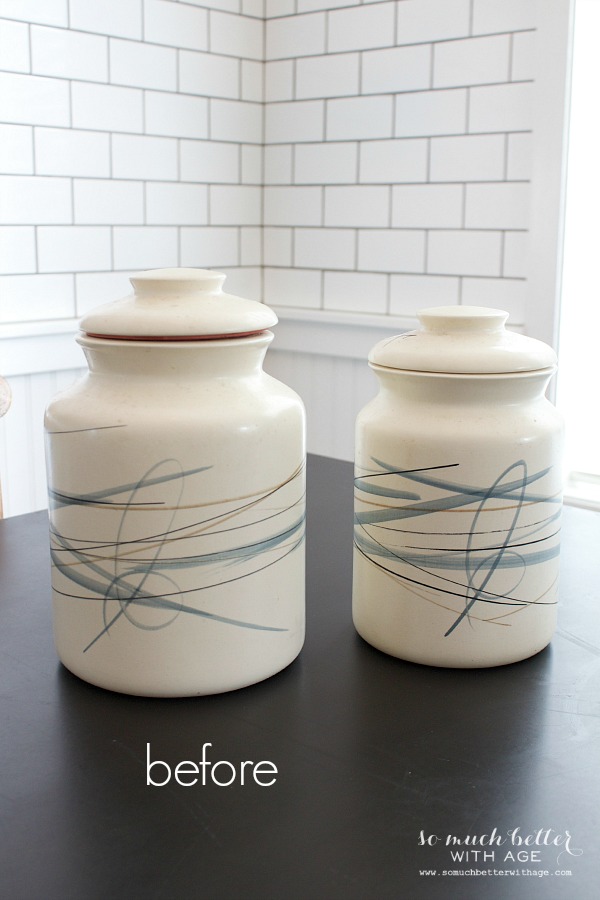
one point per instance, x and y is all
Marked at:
(178, 304)
(463, 340)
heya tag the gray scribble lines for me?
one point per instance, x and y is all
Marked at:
(466, 548)
(147, 551)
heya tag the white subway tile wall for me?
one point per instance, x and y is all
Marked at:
(397, 153)
(131, 136)
(367, 156)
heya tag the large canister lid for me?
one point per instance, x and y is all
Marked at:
(463, 340)
(178, 304)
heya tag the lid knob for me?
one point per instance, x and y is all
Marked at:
(451, 319)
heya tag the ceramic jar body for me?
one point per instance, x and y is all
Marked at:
(176, 482)
(458, 497)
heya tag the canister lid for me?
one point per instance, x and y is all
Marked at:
(178, 304)
(463, 340)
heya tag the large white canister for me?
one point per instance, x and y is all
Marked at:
(176, 472)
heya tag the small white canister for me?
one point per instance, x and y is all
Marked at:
(176, 472)
(458, 494)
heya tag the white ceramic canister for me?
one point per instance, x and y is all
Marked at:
(458, 494)
(176, 472)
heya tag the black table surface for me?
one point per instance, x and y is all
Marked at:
(374, 756)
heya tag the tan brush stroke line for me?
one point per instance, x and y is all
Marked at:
(416, 592)
(266, 492)
(292, 542)
(463, 509)
(522, 608)
(225, 517)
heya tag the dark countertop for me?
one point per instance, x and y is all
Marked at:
(370, 752)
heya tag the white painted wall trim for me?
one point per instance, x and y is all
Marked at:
(31, 348)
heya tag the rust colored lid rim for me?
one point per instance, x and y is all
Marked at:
(168, 338)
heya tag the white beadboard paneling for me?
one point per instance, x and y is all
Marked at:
(516, 254)
(324, 248)
(523, 56)
(295, 36)
(50, 12)
(503, 107)
(145, 247)
(251, 246)
(355, 292)
(122, 18)
(175, 24)
(501, 293)
(66, 151)
(393, 161)
(279, 80)
(17, 249)
(240, 121)
(387, 250)
(278, 164)
(68, 54)
(359, 118)
(16, 149)
(27, 200)
(329, 163)
(413, 292)
(519, 156)
(107, 202)
(357, 206)
(432, 20)
(396, 69)
(209, 161)
(482, 60)
(143, 65)
(235, 205)
(509, 15)
(176, 115)
(14, 46)
(427, 206)
(209, 74)
(30, 297)
(470, 158)
(106, 107)
(292, 205)
(361, 27)
(498, 205)
(291, 122)
(236, 35)
(252, 80)
(252, 164)
(426, 113)
(78, 248)
(176, 204)
(277, 246)
(210, 247)
(96, 288)
(30, 99)
(292, 287)
(464, 252)
(140, 156)
(334, 75)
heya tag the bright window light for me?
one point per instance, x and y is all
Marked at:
(579, 379)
